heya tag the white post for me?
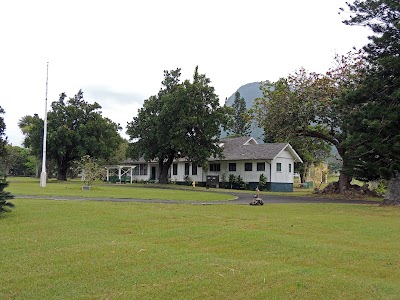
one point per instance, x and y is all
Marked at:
(131, 174)
(43, 175)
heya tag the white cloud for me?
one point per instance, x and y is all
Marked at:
(116, 51)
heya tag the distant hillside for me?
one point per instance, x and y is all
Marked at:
(249, 92)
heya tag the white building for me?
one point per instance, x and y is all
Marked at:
(241, 156)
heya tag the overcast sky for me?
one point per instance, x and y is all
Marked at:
(116, 51)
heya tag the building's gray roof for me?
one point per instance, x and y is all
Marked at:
(246, 148)
(141, 160)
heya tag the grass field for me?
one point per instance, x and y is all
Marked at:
(73, 188)
(104, 250)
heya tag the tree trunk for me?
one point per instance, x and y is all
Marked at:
(392, 196)
(304, 174)
(302, 178)
(62, 172)
(37, 161)
(163, 169)
(344, 182)
(344, 179)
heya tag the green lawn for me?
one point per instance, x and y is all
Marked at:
(73, 188)
(104, 250)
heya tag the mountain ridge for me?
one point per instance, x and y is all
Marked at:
(249, 92)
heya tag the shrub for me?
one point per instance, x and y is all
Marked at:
(90, 169)
(5, 196)
(262, 181)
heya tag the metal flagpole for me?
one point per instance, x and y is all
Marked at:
(43, 175)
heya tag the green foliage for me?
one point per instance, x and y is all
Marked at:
(75, 128)
(262, 181)
(90, 169)
(382, 17)
(4, 196)
(3, 138)
(334, 165)
(17, 162)
(374, 105)
(381, 187)
(5, 205)
(183, 120)
(375, 118)
(119, 154)
(281, 125)
(303, 109)
(241, 125)
(32, 129)
(231, 180)
(236, 182)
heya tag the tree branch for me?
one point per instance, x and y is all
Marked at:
(317, 134)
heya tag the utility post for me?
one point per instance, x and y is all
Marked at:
(43, 174)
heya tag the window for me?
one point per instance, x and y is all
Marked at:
(215, 167)
(248, 167)
(175, 169)
(141, 169)
(261, 166)
(186, 168)
(135, 171)
(194, 169)
(232, 167)
(278, 167)
(290, 168)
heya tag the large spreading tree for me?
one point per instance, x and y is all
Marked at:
(75, 128)
(374, 106)
(305, 107)
(182, 121)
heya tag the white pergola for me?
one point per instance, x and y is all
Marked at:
(119, 171)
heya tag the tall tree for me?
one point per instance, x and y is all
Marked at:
(306, 104)
(32, 129)
(17, 162)
(375, 105)
(382, 17)
(241, 125)
(182, 121)
(275, 96)
(75, 128)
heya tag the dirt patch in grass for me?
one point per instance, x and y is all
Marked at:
(353, 192)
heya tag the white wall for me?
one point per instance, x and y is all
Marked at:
(247, 176)
(181, 172)
(284, 175)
